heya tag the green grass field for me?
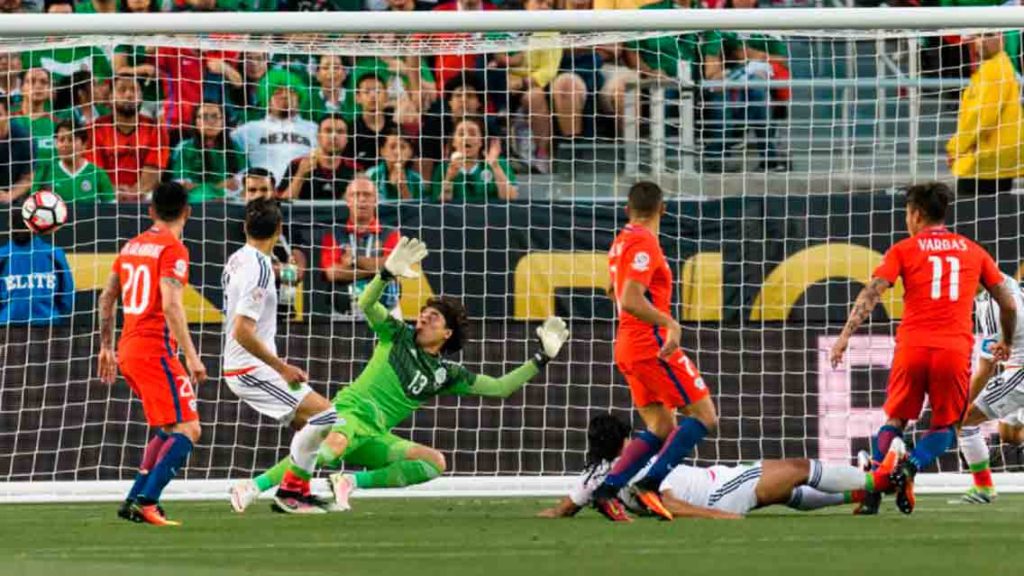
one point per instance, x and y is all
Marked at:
(494, 537)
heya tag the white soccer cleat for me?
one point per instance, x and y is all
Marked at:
(243, 494)
(342, 486)
(899, 447)
(864, 461)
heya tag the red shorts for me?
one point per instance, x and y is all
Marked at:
(674, 382)
(944, 375)
(162, 384)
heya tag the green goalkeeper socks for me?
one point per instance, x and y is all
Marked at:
(273, 476)
(397, 474)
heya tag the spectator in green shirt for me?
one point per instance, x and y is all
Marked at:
(330, 94)
(469, 176)
(97, 6)
(206, 162)
(69, 174)
(34, 114)
(394, 176)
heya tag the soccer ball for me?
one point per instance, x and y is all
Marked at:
(44, 212)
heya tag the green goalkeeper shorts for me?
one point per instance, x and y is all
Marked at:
(369, 445)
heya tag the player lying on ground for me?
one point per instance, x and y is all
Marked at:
(661, 377)
(995, 396)
(149, 276)
(407, 368)
(941, 271)
(252, 368)
(727, 492)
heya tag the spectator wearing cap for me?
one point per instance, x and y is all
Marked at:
(128, 145)
(325, 172)
(985, 154)
(353, 254)
(395, 176)
(15, 157)
(282, 136)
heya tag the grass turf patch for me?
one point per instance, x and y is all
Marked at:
(496, 537)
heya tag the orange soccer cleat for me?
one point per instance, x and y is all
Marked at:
(652, 501)
(151, 514)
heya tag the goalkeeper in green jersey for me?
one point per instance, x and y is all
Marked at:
(407, 368)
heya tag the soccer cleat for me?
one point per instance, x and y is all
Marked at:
(152, 514)
(869, 507)
(342, 485)
(243, 494)
(612, 509)
(903, 480)
(979, 495)
(125, 512)
(296, 503)
(651, 500)
(864, 461)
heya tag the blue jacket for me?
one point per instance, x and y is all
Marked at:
(36, 286)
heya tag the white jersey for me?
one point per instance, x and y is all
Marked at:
(986, 315)
(272, 143)
(248, 282)
(726, 488)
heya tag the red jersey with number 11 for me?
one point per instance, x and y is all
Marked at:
(143, 262)
(940, 271)
(636, 255)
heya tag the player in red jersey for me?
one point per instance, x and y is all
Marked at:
(661, 378)
(941, 271)
(149, 276)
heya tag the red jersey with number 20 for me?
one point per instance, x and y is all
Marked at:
(940, 271)
(636, 255)
(143, 262)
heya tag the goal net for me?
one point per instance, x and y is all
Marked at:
(784, 154)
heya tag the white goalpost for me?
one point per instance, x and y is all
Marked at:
(783, 138)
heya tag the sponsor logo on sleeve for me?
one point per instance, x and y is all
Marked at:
(641, 261)
(180, 268)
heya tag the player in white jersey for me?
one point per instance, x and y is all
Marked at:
(726, 492)
(282, 136)
(996, 396)
(255, 373)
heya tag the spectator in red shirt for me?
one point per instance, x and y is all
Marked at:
(352, 255)
(131, 147)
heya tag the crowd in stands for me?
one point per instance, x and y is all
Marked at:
(108, 123)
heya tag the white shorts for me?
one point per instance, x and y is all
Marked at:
(726, 488)
(1015, 419)
(263, 388)
(736, 491)
(1003, 396)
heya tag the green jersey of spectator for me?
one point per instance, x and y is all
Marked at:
(389, 191)
(773, 45)
(319, 108)
(665, 53)
(61, 63)
(41, 130)
(206, 169)
(474, 185)
(89, 183)
(87, 7)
